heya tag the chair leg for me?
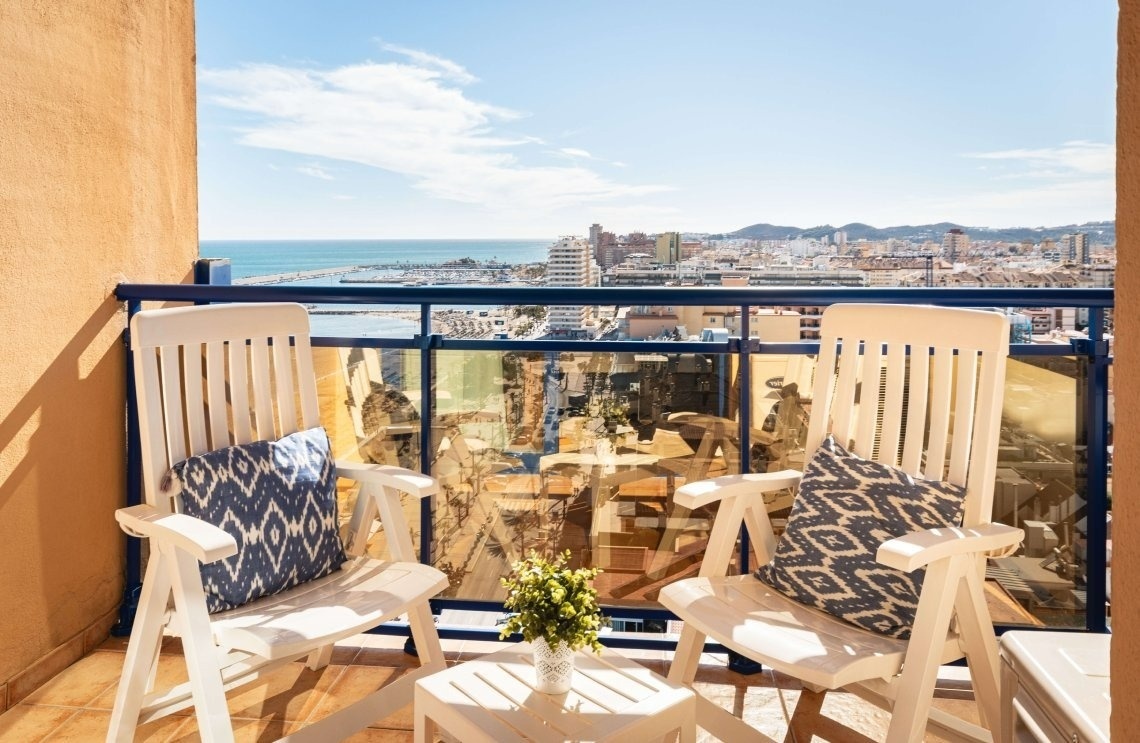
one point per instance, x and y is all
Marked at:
(920, 667)
(687, 656)
(142, 651)
(425, 636)
(200, 652)
(319, 658)
(805, 715)
(980, 646)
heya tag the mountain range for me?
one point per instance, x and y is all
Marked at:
(1099, 232)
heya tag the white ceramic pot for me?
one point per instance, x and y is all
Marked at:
(553, 667)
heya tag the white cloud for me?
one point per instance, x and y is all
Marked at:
(412, 119)
(1053, 203)
(316, 171)
(1078, 156)
(1038, 186)
(450, 69)
(575, 152)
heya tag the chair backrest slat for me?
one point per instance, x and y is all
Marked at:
(216, 395)
(892, 421)
(963, 415)
(148, 380)
(205, 374)
(239, 393)
(283, 386)
(262, 387)
(869, 378)
(170, 364)
(192, 360)
(306, 381)
(938, 423)
(918, 390)
(986, 435)
(843, 399)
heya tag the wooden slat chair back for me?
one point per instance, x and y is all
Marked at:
(919, 388)
(215, 376)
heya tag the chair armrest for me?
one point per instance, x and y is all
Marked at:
(704, 492)
(201, 539)
(921, 548)
(404, 480)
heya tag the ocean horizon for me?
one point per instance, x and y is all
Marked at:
(253, 258)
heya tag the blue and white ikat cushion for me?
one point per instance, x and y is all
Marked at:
(846, 508)
(278, 500)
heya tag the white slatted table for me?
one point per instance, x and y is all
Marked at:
(493, 699)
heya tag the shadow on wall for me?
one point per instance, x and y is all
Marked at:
(63, 476)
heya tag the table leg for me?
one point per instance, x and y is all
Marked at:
(1008, 714)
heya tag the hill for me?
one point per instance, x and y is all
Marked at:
(1099, 232)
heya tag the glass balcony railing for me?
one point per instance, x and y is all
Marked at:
(580, 444)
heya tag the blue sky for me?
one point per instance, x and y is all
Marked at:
(353, 119)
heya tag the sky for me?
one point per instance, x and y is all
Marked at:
(503, 119)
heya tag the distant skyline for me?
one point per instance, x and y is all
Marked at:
(510, 119)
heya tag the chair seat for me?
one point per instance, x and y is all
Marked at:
(755, 620)
(359, 596)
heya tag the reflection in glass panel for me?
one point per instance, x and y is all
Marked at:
(371, 409)
(1041, 487)
(579, 452)
(583, 451)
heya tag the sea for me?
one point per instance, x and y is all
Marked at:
(251, 259)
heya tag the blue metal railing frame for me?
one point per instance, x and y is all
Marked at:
(1094, 351)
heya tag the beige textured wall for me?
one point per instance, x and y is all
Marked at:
(97, 184)
(1126, 464)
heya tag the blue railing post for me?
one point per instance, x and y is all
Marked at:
(1095, 351)
(132, 579)
(737, 662)
(427, 415)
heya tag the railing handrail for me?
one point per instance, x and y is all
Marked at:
(640, 295)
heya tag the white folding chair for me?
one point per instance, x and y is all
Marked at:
(917, 388)
(218, 376)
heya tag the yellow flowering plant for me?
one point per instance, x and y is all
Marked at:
(553, 602)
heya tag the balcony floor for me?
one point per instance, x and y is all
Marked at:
(76, 704)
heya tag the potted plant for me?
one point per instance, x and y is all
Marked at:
(556, 609)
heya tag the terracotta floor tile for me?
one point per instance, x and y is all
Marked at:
(356, 683)
(171, 671)
(82, 682)
(114, 643)
(245, 731)
(377, 735)
(27, 722)
(91, 725)
(289, 694)
(387, 657)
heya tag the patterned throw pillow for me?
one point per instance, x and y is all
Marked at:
(278, 500)
(846, 508)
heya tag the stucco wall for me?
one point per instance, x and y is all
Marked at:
(1126, 466)
(97, 185)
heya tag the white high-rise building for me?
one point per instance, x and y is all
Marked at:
(1078, 247)
(568, 264)
(955, 243)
